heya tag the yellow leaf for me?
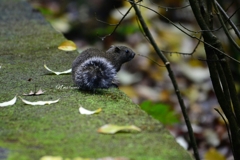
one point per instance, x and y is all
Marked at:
(79, 158)
(67, 46)
(51, 158)
(112, 129)
(213, 154)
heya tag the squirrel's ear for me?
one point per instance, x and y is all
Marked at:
(112, 46)
(117, 49)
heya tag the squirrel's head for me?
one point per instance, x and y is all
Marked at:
(123, 53)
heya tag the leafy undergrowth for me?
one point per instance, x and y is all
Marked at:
(161, 112)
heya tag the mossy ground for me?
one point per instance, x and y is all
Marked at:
(30, 132)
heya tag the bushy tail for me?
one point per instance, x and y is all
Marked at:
(95, 72)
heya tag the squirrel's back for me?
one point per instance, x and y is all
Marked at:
(94, 69)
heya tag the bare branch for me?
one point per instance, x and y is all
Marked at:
(186, 54)
(115, 24)
(105, 22)
(224, 26)
(214, 30)
(151, 60)
(169, 8)
(228, 19)
(189, 34)
(228, 130)
(119, 11)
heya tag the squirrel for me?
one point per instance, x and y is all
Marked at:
(94, 68)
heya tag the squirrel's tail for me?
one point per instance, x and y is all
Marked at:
(95, 72)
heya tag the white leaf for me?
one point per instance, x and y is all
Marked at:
(9, 103)
(182, 142)
(58, 73)
(31, 93)
(38, 102)
(87, 112)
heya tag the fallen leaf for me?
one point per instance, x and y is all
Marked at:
(9, 103)
(213, 154)
(112, 129)
(39, 92)
(87, 112)
(31, 93)
(180, 140)
(67, 46)
(38, 102)
(51, 158)
(113, 158)
(79, 158)
(58, 73)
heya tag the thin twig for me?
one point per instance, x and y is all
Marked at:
(224, 26)
(228, 130)
(229, 5)
(186, 54)
(151, 60)
(169, 8)
(228, 19)
(196, 32)
(119, 11)
(116, 24)
(213, 30)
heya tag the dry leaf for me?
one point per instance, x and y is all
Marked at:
(213, 154)
(31, 93)
(111, 128)
(87, 112)
(38, 102)
(9, 103)
(51, 158)
(67, 46)
(58, 73)
(79, 158)
(39, 92)
(113, 158)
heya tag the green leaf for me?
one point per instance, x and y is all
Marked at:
(161, 112)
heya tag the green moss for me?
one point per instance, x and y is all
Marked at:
(30, 132)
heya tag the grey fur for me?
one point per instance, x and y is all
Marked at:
(94, 69)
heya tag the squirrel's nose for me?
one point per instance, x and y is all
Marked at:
(132, 55)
